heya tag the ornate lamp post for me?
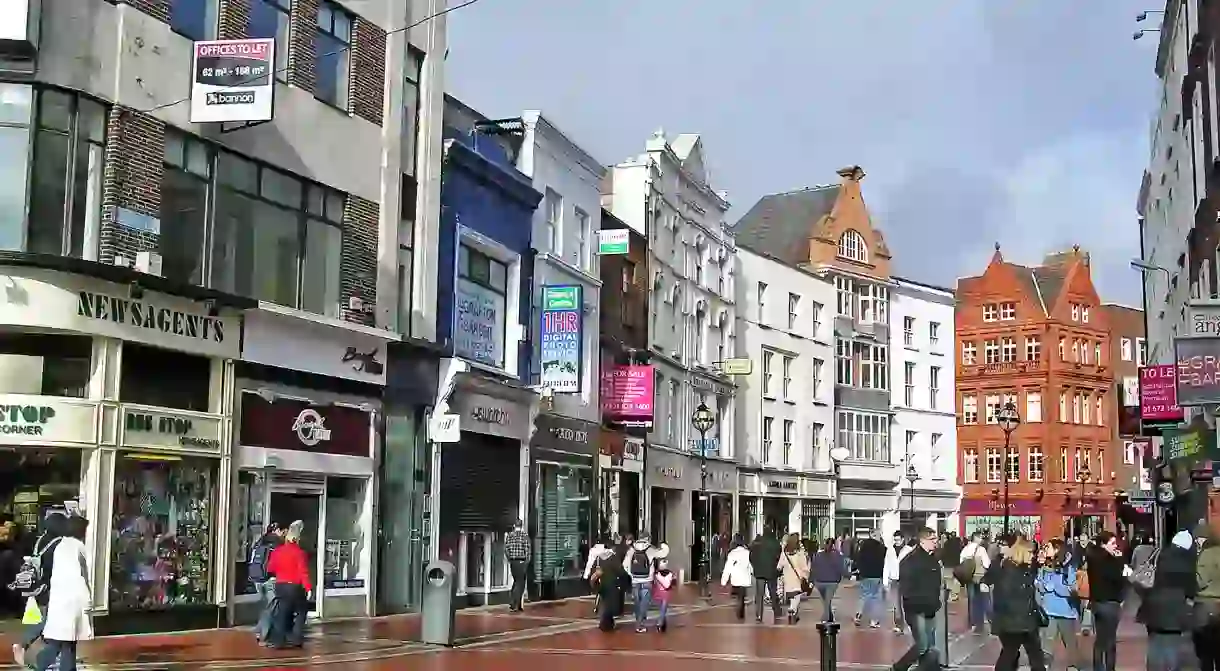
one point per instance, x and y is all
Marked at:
(703, 419)
(1082, 476)
(838, 454)
(1009, 420)
(912, 476)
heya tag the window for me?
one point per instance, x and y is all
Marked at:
(970, 465)
(970, 410)
(1036, 467)
(45, 364)
(1101, 421)
(817, 319)
(1062, 351)
(910, 443)
(565, 500)
(969, 354)
(1086, 413)
(554, 219)
(580, 257)
(1075, 312)
(852, 247)
(908, 379)
(193, 19)
(794, 303)
(1076, 408)
(991, 352)
(1033, 348)
(332, 53)
(766, 439)
(787, 389)
(270, 19)
(1063, 464)
(1008, 350)
(933, 386)
(874, 303)
(994, 472)
(788, 425)
(1097, 353)
(481, 303)
(412, 74)
(874, 369)
(817, 378)
(990, 312)
(1075, 350)
(1101, 465)
(845, 297)
(16, 107)
(406, 256)
(1125, 349)
(1141, 352)
(933, 335)
(1084, 314)
(843, 362)
(908, 331)
(142, 378)
(767, 357)
(935, 454)
(866, 435)
(1008, 311)
(1014, 465)
(261, 218)
(1063, 416)
(66, 176)
(185, 181)
(345, 541)
(1129, 452)
(993, 409)
(815, 437)
(1033, 406)
(762, 302)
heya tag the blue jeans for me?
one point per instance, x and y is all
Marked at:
(923, 644)
(663, 613)
(872, 601)
(1165, 651)
(827, 590)
(976, 602)
(643, 598)
(268, 602)
(63, 651)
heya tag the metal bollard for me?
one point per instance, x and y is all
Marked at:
(944, 660)
(829, 632)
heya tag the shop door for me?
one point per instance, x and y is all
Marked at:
(289, 503)
(400, 528)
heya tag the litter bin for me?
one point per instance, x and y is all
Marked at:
(440, 591)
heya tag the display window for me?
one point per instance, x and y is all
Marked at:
(161, 550)
(251, 525)
(483, 565)
(565, 521)
(343, 565)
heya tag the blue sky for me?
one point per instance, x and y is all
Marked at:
(1023, 122)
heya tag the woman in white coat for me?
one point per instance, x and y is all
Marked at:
(67, 619)
(738, 573)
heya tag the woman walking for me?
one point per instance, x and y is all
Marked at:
(1056, 589)
(289, 563)
(1017, 616)
(66, 621)
(828, 570)
(1107, 573)
(738, 574)
(1165, 607)
(794, 565)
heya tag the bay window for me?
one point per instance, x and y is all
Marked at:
(866, 435)
(874, 367)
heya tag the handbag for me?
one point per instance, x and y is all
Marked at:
(806, 588)
(1145, 574)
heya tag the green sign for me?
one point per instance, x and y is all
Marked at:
(24, 419)
(613, 241)
(561, 298)
(1188, 444)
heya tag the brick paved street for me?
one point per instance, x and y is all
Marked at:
(557, 636)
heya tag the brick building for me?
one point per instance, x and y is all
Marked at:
(1126, 348)
(1036, 337)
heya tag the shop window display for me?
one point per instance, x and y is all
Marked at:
(162, 532)
(342, 566)
(564, 521)
(251, 490)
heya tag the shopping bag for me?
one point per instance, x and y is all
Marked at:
(33, 614)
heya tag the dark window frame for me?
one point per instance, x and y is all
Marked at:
(211, 14)
(283, 8)
(331, 16)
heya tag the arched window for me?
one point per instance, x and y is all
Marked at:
(852, 246)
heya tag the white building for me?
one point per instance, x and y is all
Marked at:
(785, 406)
(665, 194)
(925, 420)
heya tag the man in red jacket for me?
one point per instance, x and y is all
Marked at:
(289, 563)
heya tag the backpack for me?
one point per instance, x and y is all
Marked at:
(964, 571)
(641, 565)
(1083, 590)
(31, 580)
(256, 570)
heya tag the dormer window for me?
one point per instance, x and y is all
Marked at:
(852, 247)
(1008, 311)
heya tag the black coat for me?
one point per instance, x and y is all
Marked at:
(1106, 580)
(870, 558)
(1164, 608)
(951, 551)
(764, 557)
(1012, 592)
(919, 575)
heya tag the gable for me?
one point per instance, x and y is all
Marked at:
(849, 220)
(689, 150)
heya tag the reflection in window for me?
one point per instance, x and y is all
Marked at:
(269, 19)
(15, 108)
(65, 199)
(184, 208)
(251, 525)
(143, 378)
(481, 301)
(406, 241)
(331, 50)
(194, 19)
(45, 364)
(565, 519)
(343, 567)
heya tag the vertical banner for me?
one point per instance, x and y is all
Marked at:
(561, 339)
(627, 395)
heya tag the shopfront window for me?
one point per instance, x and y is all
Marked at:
(45, 364)
(345, 534)
(856, 524)
(144, 379)
(565, 521)
(484, 566)
(161, 541)
(251, 525)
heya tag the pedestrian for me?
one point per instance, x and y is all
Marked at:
(517, 550)
(870, 568)
(663, 583)
(1107, 585)
(765, 553)
(1017, 615)
(794, 574)
(33, 581)
(919, 573)
(1165, 608)
(950, 557)
(596, 553)
(607, 581)
(828, 569)
(264, 582)
(738, 574)
(1206, 610)
(893, 559)
(67, 620)
(640, 566)
(973, 564)
(1079, 553)
(1056, 589)
(289, 564)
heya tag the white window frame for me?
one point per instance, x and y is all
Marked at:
(512, 297)
(992, 408)
(994, 465)
(768, 425)
(1075, 312)
(844, 363)
(970, 353)
(970, 410)
(1084, 314)
(789, 428)
(1014, 465)
(583, 232)
(1008, 349)
(1033, 348)
(817, 378)
(816, 309)
(768, 357)
(865, 435)
(1037, 464)
(845, 297)
(908, 382)
(761, 293)
(970, 465)
(908, 331)
(1125, 349)
(794, 306)
(933, 335)
(786, 371)
(553, 202)
(933, 386)
(852, 246)
(991, 351)
(1141, 352)
(990, 312)
(1008, 311)
(1033, 407)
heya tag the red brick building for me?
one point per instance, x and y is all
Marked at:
(1036, 337)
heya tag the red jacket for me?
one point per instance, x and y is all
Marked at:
(290, 565)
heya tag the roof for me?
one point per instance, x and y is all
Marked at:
(1041, 282)
(779, 225)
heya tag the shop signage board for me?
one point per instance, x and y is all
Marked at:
(1159, 394)
(613, 241)
(561, 338)
(147, 428)
(233, 81)
(274, 339)
(627, 395)
(1188, 444)
(736, 366)
(34, 420)
(1198, 374)
(479, 323)
(489, 415)
(293, 424)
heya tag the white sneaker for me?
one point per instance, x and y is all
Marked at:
(19, 655)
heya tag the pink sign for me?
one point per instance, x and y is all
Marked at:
(627, 393)
(1159, 394)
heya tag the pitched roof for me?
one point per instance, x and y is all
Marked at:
(779, 225)
(1039, 282)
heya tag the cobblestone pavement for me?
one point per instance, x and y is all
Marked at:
(563, 635)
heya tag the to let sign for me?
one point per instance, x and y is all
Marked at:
(1159, 394)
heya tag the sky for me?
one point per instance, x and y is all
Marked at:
(1019, 122)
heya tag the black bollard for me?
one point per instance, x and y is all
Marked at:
(945, 663)
(829, 632)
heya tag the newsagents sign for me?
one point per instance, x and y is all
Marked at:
(40, 420)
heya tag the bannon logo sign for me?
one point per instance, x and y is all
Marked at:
(147, 315)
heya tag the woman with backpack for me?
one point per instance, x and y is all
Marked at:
(1057, 594)
(640, 567)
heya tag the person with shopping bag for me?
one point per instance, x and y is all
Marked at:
(67, 612)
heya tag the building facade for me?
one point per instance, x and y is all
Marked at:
(922, 380)
(1036, 338)
(665, 192)
(784, 409)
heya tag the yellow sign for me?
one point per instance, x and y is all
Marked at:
(736, 366)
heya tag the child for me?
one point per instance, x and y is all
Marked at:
(663, 584)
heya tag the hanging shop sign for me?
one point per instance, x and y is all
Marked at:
(613, 241)
(564, 435)
(293, 424)
(1159, 395)
(283, 341)
(627, 395)
(233, 80)
(145, 428)
(489, 415)
(561, 339)
(1198, 373)
(33, 420)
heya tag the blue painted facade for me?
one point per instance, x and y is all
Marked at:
(482, 190)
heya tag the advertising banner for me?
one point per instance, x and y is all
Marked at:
(479, 323)
(1158, 394)
(627, 393)
(561, 339)
(232, 80)
(1198, 370)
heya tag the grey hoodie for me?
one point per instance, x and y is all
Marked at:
(645, 547)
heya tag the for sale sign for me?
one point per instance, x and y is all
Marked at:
(233, 80)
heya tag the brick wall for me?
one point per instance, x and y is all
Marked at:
(304, 24)
(131, 180)
(234, 19)
(156, 8)
(366, 77)
(358, 274)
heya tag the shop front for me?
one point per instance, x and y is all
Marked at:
(817, 508)
(859, 513)
(620, 479)
(774, 502)
(987, 515)
(483, 481)
(563, 516)
(677, 513)
(936, 510)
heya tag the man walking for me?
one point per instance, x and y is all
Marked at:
(264, 582)
(890, 580)
(870, 569)
(764, 559)
(920, 576)
(973, 563)
(517, 549)
(950, 557)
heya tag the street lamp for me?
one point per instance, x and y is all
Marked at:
(1082, 475)
(912, 476)
(703, 419)
(838, 454)
(1009, 420)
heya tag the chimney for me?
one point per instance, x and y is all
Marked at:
(852, 173)
(1065, 257)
